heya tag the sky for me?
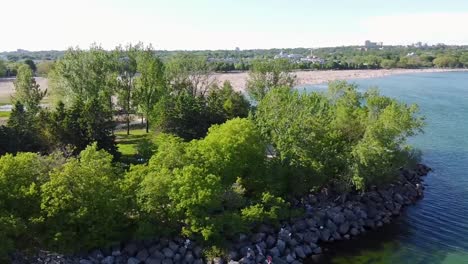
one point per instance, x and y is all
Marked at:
(227, 24)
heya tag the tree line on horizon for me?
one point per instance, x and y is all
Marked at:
(218, 163)
(334, 58)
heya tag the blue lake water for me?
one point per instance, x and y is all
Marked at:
(435, 230)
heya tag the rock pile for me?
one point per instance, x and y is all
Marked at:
(328, 218)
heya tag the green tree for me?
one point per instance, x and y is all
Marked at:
(190, 74)
(446, 61)
(24, 131)
(27, 91)
(85, 75)
(3, 69)
(127, 70)
(266, 75)
(82, 205)
(151, 84)
(463, 59)
(388, 64)
(183, 115)
(20, 179)
(44, 67)
(31, 64)
(72, 129)
(224, 103)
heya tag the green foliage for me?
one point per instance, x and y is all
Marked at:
(189, 73)
(197, 195)
(446, 61)
(214, 252)
(44, 67)
(31, 64)
(266, 75)
(463, 60)
(297, 126)
(189, 116)
(27, 91)
(224, 103)
(82, 205)
(23, 131)
(270, 208)
(182, 115)
(151, 84)
(203, 186)
(80, 125)
(126, 68)
(3, 68)
(84, 75)
(20, 179)
(234, 149)
(343, 137)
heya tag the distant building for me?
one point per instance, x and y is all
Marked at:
(292, 57)
(313, 59)
(373, 45)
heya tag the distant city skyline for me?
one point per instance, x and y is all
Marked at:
(209, 24)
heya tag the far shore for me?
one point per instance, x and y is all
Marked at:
(239, 80)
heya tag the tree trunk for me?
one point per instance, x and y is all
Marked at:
(128, 123)
(147, 125)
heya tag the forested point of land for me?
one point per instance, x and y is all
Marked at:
(211, 162)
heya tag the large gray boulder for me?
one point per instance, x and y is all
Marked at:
(324, 235)
(142, 255)
(300, 252)
(344, 227)
(281, 245)
(133, 261)
(167, 261)
(153, 261)
(189, 258)
(168, 253)
(108, 260)
(274, 252)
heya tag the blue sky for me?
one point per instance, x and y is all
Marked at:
(223, 24)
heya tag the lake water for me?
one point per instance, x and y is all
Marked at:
(435, 230)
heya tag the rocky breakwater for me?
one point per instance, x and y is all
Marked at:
(329, 217)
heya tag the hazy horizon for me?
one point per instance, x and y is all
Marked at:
(222, 25)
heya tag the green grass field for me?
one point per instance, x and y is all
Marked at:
(127, 144)
(5, 114)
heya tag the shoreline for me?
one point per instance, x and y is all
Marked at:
(239, 79)
(328, 217)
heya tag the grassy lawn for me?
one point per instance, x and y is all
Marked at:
(127, 144)
(5, 114)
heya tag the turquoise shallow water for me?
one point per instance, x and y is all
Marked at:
(435, 230)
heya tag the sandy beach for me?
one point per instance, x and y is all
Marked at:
(7, 88)
(238, 80)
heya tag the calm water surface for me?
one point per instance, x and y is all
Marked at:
(435, 230)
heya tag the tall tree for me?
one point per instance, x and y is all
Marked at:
(127, 70)
(84, 75)
(266, 75)
(151, 84)
(189, 73)
(27, 90)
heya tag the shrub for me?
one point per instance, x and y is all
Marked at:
(82, 204)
